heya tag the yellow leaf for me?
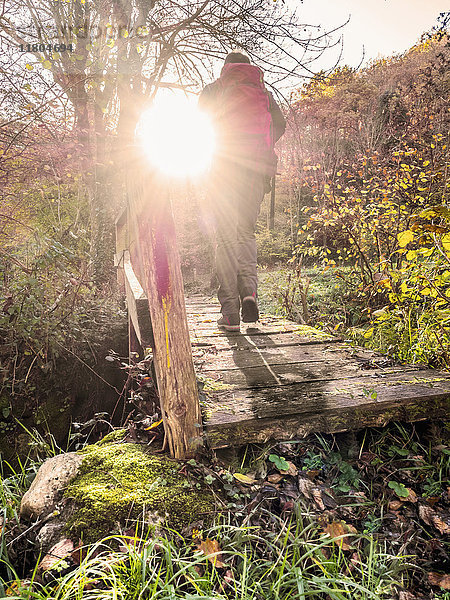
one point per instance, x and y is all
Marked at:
(244, 478)
(14, 588)
(29, 67)
(153, 425)
(47, 64)
(405, 237)
(446, 242)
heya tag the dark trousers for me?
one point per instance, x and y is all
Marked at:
(235, 195)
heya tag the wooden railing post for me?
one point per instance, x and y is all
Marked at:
(152, 220)
(271, 219)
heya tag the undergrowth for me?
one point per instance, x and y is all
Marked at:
(357, 516)
(292, 563)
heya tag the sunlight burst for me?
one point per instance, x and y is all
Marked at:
(176, 136)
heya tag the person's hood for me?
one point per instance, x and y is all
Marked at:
(242, 73)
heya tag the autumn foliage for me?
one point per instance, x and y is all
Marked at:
(367, 156)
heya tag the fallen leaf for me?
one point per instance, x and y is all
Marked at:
(153, 425)
(305, 486)
(244, 478)
(293, 471)
(312, 474)
(412, 496)
(395, 505)
(308, 489)
(211, 547)
(431, 518)
(337, 529)
(63, 549)
(432, 500)
(317, 496)
(228, 577)
(439, 579)
(275, 478)
(328, 498)
(15, 588)
(288, 506)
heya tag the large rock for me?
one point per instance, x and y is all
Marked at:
(49, 484)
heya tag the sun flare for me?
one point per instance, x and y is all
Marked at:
(176, 136)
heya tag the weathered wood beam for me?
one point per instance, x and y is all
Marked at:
(137, 305)
(261, 376)
(156, 247)
(278, 355)
(122, 244)
(293, 411)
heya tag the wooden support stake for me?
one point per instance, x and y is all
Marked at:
(152, 220)
(272, 206)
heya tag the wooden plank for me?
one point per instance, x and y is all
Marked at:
(203, 308)
(205, 320)
(289, 373)
(134, 345)
(121, 226)
(275, 355)
(294, 411)
(285, 338)
(302, 397)
(160, 274)
(137, 305)
(202, 321)
(198, 332)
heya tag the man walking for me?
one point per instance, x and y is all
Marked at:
(248, 122)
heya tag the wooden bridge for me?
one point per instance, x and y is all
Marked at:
(279, 380)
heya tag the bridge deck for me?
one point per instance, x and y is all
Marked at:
(282, 381)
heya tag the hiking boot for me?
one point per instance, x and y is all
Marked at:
(250, 312)
(229, 323)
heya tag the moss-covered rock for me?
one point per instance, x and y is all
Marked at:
(119, 482)
(118, 435)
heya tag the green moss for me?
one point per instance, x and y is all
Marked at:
(312, 332)
(117, 435)
(117, 482)
(212, 385)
